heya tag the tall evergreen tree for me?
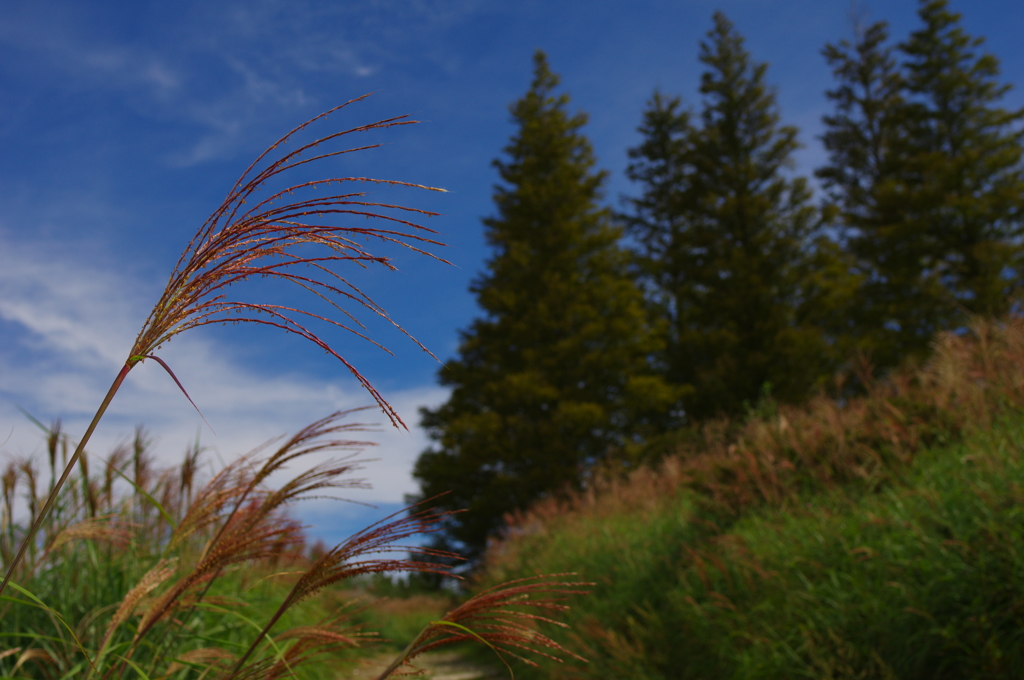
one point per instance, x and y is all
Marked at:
(661, 164)
(728, 235)
(965, 152)
(557, 373)
(861, 137)
(933, 193)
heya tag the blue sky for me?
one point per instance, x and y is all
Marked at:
(122, 126)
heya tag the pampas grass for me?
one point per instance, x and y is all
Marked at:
(130, 584)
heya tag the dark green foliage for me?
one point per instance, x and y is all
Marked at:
(860, 136)
(728, 240)
(967, 152)
(927, 171)
(658, 223)
(555, 377)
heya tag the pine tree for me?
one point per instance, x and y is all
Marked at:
(861, 137)
(729, 239)
(556, 376)
(658, 222)
(965, 153)
(927, 170)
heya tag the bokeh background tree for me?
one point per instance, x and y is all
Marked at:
(557, 374)
(925, 167)
(727, 239)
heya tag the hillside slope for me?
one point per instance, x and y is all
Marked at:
(880, 538)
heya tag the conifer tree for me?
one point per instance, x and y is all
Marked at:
(728, 239)
(966, 153)
(861, 137)
(935, 207)
(555, 377)
(658, 222)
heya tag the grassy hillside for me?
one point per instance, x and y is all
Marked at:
(878, 538)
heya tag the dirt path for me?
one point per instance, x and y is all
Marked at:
(438, 666)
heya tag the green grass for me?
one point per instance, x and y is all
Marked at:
(922, 578)
(105, 534)
(228, 562)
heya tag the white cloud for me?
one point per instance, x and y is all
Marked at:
(68, 321)
(60, 304)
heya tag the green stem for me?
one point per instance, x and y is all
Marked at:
(400, 659)
(67, 470)
(288, 601)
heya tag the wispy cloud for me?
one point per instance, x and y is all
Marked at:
(53, 46)
(249, 66)
(67, 319)
(58, 304)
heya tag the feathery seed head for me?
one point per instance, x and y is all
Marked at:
(291, 239)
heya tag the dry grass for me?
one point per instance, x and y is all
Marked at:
(505, 618)
(970, 380)
(291, 240)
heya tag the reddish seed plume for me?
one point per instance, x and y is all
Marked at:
(293, 239)
(505, 618)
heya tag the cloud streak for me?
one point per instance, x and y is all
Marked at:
(255, 65)
(66, 320)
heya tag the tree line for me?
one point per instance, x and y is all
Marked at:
(722, 279)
